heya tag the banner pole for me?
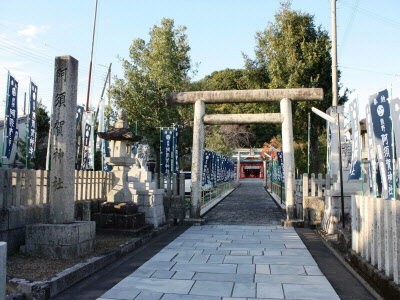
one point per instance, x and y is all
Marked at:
(27, 124)
(308, 146)
(393, 149)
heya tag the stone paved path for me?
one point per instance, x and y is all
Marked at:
(249, 204)
(221, 262)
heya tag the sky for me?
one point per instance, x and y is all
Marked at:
(33, 33)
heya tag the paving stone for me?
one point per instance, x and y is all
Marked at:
(155, 285)
(164, 256)
(201, 245)
(158, 265)
(321, 280)
(212, 288)
(199, 259)
(239, 252)
(313, 270)
(256, 252)
(246, 269)
(149, 296)
(295, 246)
(300, 291)
(189, 244)
(273, 252)
(218, 252)
(188, 297)
(238, 259)
(207, 268)
(224, 277)
(269, 290)
(121, 294)
(287, 270)
(296, 252)
(185, 251)
(244, 290)
(216, 259)
(183, 257)
(145, 273)
(285, 260)
(163, 274)
(183, 275)
(263, 269)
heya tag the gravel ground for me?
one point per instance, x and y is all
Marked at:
(32, 268)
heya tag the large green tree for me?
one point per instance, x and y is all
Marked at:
(42, 134)
(154, 68)
(295, 53)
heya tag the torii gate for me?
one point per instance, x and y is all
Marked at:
(284, 96)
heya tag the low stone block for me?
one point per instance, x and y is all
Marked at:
(64, 241)
(4, 215)
(17, 217)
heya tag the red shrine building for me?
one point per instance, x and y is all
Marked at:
(248, 163)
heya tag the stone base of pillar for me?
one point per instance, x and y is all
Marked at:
(291, 212)
(65, 241)
(151, 202)
(194, 222)
(293, 223)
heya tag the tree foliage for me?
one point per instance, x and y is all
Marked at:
(295, 53)
(42, 134)
(154, 68)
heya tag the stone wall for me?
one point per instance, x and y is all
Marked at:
(24, 200)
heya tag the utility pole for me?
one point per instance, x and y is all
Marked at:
(334, 57)
(91, 58)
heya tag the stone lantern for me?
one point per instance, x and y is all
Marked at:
(121, 139)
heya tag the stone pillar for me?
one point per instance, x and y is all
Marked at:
(288, 158)
(63, 133)
(3, 269)
(265, 172)
(396, 240)
(62, 238)
(197, 158)
(238, 167)
(380, 231)
(388, 237)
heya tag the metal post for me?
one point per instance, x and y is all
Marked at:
(334, 57)
(91, 58)
(341, 171)
(308, 152)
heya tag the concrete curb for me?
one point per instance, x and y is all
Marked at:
(42, 290)
(210, 206)
(276, 200)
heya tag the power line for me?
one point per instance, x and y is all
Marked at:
(370, 13)
(370, 71)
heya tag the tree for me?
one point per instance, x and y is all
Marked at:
(155, 68)
(42, 134)
(226, 138)
(295, 53)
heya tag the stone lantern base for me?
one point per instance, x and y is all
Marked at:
(65, 241)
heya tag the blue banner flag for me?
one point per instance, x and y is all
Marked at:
(79, 113)
(281, 172)
(11, 114)
(355, 168)
(88, 141)
(176, 153)
(166, 150)
(371, 152)
(32, 120)
(382, 126)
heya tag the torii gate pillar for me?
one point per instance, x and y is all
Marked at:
(197, 158)
(288, 158)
